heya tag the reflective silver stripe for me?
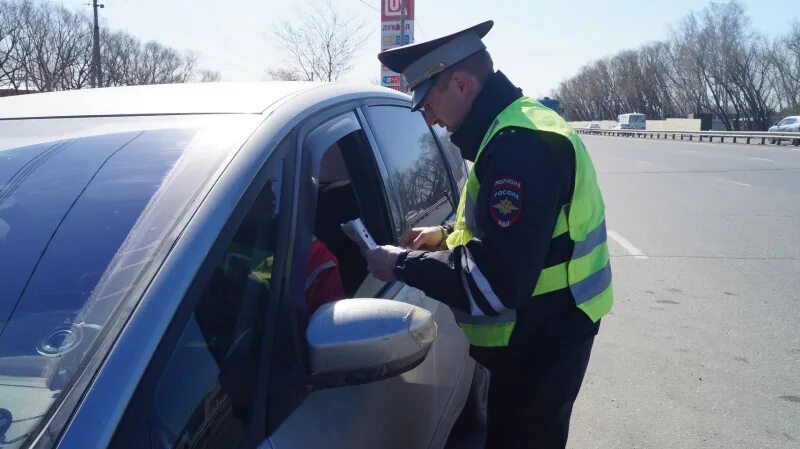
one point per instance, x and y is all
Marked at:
(463, 317)
(473, 306)
(592, 286)
(313, 276)
(591, 241)
(484, 287)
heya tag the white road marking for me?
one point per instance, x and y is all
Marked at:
(761, 159)
(634, 251)
(737, 182)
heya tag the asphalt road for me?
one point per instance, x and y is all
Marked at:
(702, 349)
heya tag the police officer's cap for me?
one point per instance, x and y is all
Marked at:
(421, 63)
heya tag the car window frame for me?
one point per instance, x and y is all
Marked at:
(305, 199)
(147, 385)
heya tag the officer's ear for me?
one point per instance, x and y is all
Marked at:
(465, 83)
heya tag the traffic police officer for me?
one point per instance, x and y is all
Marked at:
(525, 266)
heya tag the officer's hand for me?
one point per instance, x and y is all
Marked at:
(381, 260)
(427, 239)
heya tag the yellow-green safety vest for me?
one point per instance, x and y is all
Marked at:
(588, 272)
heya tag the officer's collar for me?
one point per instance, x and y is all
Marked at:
(496, 95)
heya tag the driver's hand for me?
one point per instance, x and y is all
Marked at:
(427, 239)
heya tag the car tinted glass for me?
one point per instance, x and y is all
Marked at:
(416, 168)
(788, 121)
(70, 247)
(453, 155)
(200, 389)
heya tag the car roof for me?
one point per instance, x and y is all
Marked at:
(169, 99)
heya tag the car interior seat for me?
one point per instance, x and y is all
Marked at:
(337, 204)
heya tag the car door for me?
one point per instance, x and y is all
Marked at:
(425, 178)
(206, 385)
(404, 411)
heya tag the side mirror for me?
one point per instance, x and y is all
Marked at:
(356, 341)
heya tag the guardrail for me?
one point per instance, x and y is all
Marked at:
(746, 137)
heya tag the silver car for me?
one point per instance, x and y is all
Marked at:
(787, 125)
(154, 266)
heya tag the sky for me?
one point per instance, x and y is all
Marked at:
(536, 43)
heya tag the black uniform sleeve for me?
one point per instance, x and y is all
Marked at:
(499, 271)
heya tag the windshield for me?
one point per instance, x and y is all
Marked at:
(70, 248)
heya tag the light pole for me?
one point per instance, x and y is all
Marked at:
(402, 38)
(97, 74)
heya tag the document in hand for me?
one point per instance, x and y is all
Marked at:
(358, 233)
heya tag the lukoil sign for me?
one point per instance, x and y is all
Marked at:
(391, 9)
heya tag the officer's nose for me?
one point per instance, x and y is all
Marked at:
(430, 119)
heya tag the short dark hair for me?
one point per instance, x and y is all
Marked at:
(479, 65)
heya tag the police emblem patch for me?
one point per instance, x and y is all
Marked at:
(505, 202)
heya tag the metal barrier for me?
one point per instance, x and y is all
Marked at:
(746, 137)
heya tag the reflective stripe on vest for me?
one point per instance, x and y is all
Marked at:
(588, 272)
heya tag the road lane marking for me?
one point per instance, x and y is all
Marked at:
(632, 250)
(761, 159)
(737, 182)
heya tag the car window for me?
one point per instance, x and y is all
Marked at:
(200, 389)
(417, 170)
(788, 121)
(453, 155)
(70, 244)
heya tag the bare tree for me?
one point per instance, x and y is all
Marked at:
(208, 76)
(321, 44)
(713, 63)
(119, 56)
(785, 77)
(9, 39)
(52, 47)
(48, 47)
(283, 74)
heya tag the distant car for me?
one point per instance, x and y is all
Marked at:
(787, 125)
(154, 243)
(593, 126)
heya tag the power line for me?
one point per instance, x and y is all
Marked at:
(418, 25)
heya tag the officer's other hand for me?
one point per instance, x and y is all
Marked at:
(426, 239)
(381, 260)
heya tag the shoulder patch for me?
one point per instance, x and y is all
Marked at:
(505, 201)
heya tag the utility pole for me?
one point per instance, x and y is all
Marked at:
(97, 74)
(402, 38)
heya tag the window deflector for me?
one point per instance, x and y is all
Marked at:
(328, 133)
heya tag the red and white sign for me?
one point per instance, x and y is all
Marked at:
(391, 10)
(391, 35)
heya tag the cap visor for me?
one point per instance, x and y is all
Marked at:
(420, 92)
